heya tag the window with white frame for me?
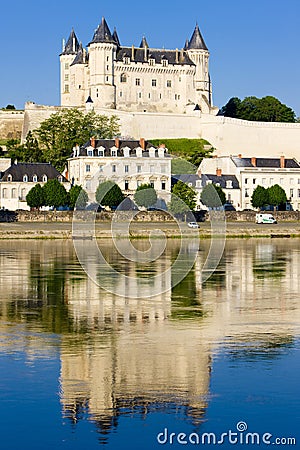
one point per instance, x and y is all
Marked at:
(90, 152)
(169, 83)
(163, 185)
(87, 168)
(101, 166)
(14, 193)
(271, 181)
(229, 184)
(254, 181)
(291, 193)
(137, 81)
(4, 193)
(126, 168)
(34, 178)
(114, 152)
(151, 62)
(138, 168)
(164, 62)
(154, 83)
(264, 181)
(100, 152)
(9, 177)
(126, 185)
(45, 178)
(246, 192)
(123, 78)
(25, 178)
(198, 184)
(281, 181)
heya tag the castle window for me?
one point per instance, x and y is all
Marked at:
(140, 95)
(178, 96)
(107, 67)
(126, 185)
(126, 60)
(25, 178)
(9, 177)
(198, 184)
(163, 185)
(100, 152)
(291, 193)
(175, 96)
(45, 178)
(164, 62)
(154, 83)
(229, 184)
(121, 94)
(123, 78)
(23, 194)
(67, 89)
(67, 66)
(60, 179)
(107, 78)
(149, 95)
(14, 193)
(87, 168)
(126, 169)
(34, 178)
(79, 87)
(179, 79)
(137, 82)
(169, 83)
(107, 58)
(4, 193)
(114, 152)
(90, 153)
(151, 62)
(66, 77)
(101, 167)
(138, 168)
(114, 168)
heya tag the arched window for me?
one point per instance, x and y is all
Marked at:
(23, 194)
(123, 78)
(45, 178)
(9, 177)
(34, 178)
(4, 193)
(14, 193)
(25, 178)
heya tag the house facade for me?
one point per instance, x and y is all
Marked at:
(253, 172)
(17, 180)
(130, 78)
(126, 162)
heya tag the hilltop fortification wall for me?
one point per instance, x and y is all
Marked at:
(11, 124)
(228, 136)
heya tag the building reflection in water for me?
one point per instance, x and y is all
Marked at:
(135, 356)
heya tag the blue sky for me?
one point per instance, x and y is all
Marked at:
(254, 45)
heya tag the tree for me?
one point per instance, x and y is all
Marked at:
(183, 198)
(77, 197)
(213, 196)
(10, 107)
(63, 130)
(266, 109)
(35, 197)
(277, 195)
(145, 195)
(260, 197)
(55, 194)
(109, 194)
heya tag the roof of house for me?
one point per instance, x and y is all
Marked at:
(173, 56)
(103, 34)
(17, 171)
(215, 179)
(272, 163)
(72, 45)
(79, 58)
(107, 144)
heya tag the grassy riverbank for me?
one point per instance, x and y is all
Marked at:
(63, 230)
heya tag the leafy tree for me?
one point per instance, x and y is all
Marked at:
(183, 198)
(10, 107)
(260, 197)
(145, 195)
(213, 196)
(58, 134)
(266, 109)
(109, 194)
(35, 197)
(77, 197)
(55, 194)
(277, 195)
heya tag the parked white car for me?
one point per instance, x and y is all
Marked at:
(265, 218)
(193, 225)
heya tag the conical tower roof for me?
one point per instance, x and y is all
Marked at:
(116, 37)
(79, 58)
(197, 42)
(144, 43)
(72, 45)
(103, 34)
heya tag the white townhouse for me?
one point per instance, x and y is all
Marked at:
(128, 163)
(253, 172)
(17, 180)
(228, 183)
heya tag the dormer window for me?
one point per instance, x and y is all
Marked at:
(151, 61)
(164, 62)
(101, 151)
(114, 151)
(229, 184)
(45, 178)
(60, 179)
(123, 78)
(25, 178)
(139, 152)
(126, 60)
(34, 178)
(198, 184)
(9, 177)
(90, 152)
(126, 151)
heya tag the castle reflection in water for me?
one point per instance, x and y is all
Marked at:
(123, 355)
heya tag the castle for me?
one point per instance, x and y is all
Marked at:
(108, 75)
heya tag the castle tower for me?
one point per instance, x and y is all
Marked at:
(102, 54)
(199, 54)
(69, 51)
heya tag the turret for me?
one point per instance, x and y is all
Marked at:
(69, 51)
(199, 54)
(102, 54)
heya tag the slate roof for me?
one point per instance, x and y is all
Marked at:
(109, 143)
(79, 58)
(72, 45)
(173, 56)
(144, 43)
(17, 171)
(192, 178)
(267, 163)
(103, 34)
(116, 37)
(196, 42)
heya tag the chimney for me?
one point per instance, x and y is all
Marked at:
(145, 53)
(132, 53)
(142, 143)
(239, 155)
(117, 142)
(93, 142)
(219, 172)
(162, 146)
(177, 56)
(253, 161)
(282, 162)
